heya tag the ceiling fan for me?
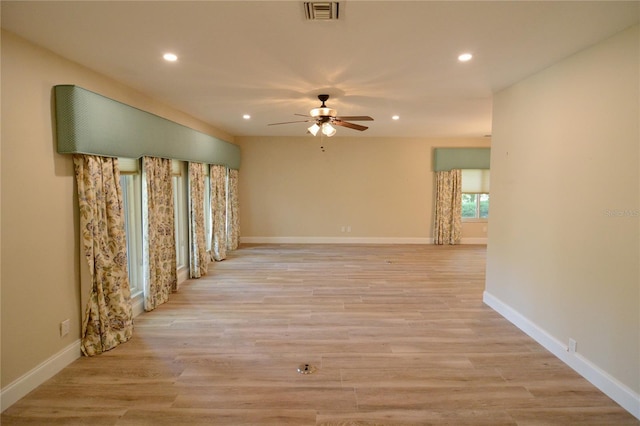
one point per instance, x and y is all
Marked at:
(323, 117)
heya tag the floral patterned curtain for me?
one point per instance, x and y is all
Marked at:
(108, 318)
(159, 239)
(448, 216)
(233, 219)
(198, 257)
(219, 212)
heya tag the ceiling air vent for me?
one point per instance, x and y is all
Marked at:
(322, 10)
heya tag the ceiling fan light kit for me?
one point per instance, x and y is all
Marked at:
(323, 117)
(314, 129)
(328, 129)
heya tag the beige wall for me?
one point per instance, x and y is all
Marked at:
(563, 247)
(381, 187)
(40, 268)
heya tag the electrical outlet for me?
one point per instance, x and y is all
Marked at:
(64, 327)
(573, 346)
(342, 229)
(349, 228)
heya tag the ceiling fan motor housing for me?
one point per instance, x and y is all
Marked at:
(323, 111)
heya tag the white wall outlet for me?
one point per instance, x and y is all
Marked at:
(342, 229)
(573, 346)
(348, 228)
(64, 327)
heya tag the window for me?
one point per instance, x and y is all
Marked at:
(208, 222)
(475, 194)
(181, 216)
(475, 206)
(130, 181)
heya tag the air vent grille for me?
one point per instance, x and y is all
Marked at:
(322, 11)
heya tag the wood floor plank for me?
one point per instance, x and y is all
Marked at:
(49, 415)
(456, 417)
(398, 335)
(443, 398)
(266, 397)
(595, 416)
(218, 417)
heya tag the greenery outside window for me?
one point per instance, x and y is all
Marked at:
(475, 206)
(475, 195)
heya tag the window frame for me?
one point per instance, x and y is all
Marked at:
(181, 214)
(475, 182)
(477, 217)
(131, 185)
(208, 219)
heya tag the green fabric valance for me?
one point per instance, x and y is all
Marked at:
(89, 123)
(461, 158)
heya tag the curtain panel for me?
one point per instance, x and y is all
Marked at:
(448, 214)
(198, 257)
(218, 175)
(233, 219)
(108, 317)
(159, 232)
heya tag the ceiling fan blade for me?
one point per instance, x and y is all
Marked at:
(349, 125)
(289, 122)
(355, 118)
(303, 115)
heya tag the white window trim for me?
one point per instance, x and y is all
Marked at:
(476, 219)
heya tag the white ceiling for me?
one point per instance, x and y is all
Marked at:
(265, 59)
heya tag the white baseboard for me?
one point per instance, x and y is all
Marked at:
(610, 386)
(334, 240)
(38, 375)
(182, 276)
(350, 240)
(137, 304)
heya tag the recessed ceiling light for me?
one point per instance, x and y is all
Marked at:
(465, 57)
(395, 117)
(246, 116)
(170, 57)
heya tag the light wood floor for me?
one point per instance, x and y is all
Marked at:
(398, 334)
